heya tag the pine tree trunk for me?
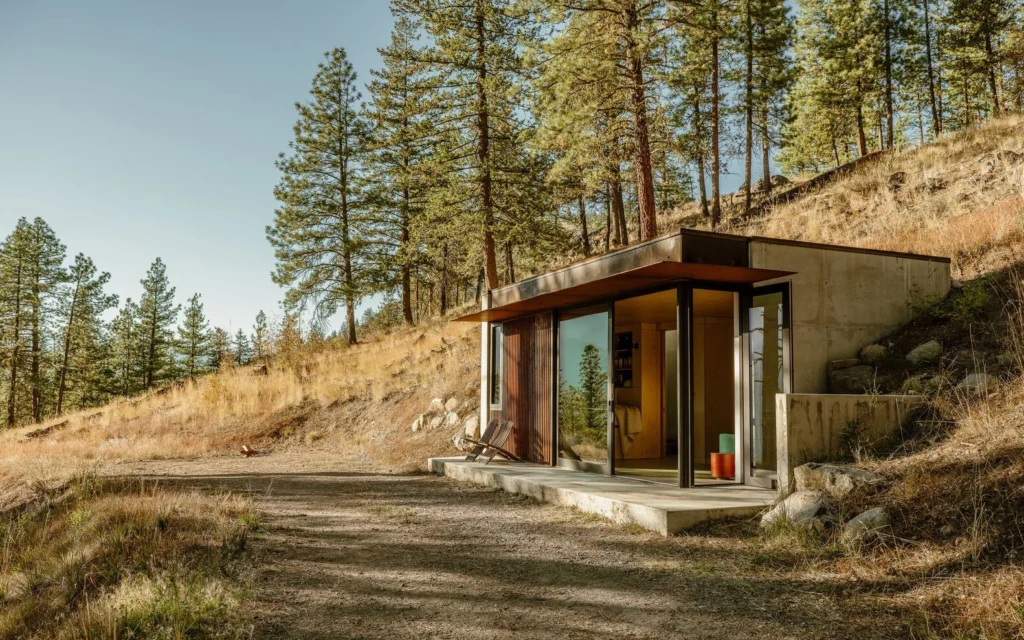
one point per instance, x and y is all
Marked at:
(938, 80)
(990, 63)
(608, 221)
(766, 149)
(406, 268)
(716, 165)
(749, 111)
(15, 350)
(62, 382)
(619, 206)
(510, 262)
(583, 227)
(936, 121)
(890, 133)
(37, 352)
(484, 150)
(443, 294)
(702, 186)
(862, 141)
(641, 135)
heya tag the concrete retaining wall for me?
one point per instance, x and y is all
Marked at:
(810, 427)
(845, 300)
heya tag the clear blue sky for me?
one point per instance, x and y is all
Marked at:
(145, 129)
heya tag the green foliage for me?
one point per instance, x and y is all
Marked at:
(320, 233)
(194, 339)
(157, 315)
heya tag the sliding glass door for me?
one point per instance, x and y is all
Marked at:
(584, 388)
(767, 375)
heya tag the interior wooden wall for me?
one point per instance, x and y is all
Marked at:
(713, 392)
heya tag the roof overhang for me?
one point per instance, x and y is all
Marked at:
(644, 278)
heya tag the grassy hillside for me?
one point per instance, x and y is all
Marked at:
(357, 402)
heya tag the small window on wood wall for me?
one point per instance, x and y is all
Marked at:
(494, 384)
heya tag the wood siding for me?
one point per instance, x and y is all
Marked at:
(526, 386)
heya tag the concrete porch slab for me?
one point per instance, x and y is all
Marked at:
(659, 508)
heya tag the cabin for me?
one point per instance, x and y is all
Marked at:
(661, 362)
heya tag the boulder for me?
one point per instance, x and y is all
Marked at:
(452, 405)
(926, 353)
(779, 181)
(417, 424)
(956, 284)
(854, 380)
(866, 526)
(436, 406)
(451, 419)
(835, 480)
(800, 508)
(895, 181)
(459, 441)
(874, 353)
(436, 422)
(976, 384)
(471, 427)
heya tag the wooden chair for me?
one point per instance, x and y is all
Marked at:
(492, 442)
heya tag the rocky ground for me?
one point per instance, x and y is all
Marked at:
(349, 552)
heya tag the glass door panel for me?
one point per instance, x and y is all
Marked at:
(583, 385)
(768, 373)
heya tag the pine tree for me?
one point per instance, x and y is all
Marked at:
(157, 316)
(261, 338)
(403, 140)
(475, 53)
(221, 351)
(194, 339)
(601, 60)
(15, 258)
(126, 352)
(594, 387)
(82, 306)
(243, 353)
(45, 273)
(318, 233)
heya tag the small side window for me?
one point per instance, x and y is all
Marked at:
(495, 365)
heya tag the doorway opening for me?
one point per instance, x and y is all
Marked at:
(715, 328)
(645, 408)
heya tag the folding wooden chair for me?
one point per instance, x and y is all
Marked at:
(488, 448)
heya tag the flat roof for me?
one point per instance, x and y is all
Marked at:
(686, 254)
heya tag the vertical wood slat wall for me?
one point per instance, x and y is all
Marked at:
(526, 386)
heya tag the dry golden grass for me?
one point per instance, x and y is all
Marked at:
(358, 401)
(105, 559)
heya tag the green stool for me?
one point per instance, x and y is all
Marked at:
(726, 443)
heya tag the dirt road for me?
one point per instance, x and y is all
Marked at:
(353, 553)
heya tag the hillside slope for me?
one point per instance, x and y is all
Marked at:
(354, 402)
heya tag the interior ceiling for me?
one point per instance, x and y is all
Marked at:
(661, 307)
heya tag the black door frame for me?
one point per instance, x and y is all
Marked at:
(751, 476)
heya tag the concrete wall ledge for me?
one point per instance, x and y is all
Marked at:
(812, 426)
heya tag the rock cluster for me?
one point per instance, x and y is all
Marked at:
(812, 505)
(446, 414)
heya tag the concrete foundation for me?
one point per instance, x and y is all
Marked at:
(659, 508)
(810, 427)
